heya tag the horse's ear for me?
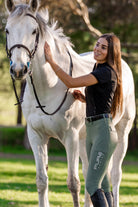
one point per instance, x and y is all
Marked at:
(34, 5)
(9, 5)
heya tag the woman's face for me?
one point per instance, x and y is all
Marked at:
(101, 50)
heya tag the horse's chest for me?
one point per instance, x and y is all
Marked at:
(48, 125)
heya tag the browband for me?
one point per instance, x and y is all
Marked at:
(28, 14)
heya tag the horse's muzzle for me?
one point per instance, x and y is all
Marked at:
(18, 74)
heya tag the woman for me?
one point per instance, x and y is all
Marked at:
(103, 97)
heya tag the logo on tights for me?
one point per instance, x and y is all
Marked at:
(99, 159)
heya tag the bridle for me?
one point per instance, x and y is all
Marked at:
(31, 55)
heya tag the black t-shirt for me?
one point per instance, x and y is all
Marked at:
(99, 97)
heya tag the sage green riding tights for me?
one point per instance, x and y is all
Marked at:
(100, 143)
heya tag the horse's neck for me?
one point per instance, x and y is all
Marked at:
(44, 78)
(42, 72)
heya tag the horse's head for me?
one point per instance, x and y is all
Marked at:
(22, 36)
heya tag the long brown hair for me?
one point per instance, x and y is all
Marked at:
(114, 60)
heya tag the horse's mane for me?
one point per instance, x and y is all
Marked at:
(57, 32)
(42, 18)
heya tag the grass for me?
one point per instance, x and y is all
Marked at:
(18, 188)
(129, 187)
(17, 183)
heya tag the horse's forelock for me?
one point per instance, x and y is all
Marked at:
(20, 10)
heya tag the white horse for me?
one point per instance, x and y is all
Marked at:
(25, 26)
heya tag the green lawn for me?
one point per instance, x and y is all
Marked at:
(18, 188)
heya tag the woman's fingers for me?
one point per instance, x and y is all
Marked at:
(47, 52)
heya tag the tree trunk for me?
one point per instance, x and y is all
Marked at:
(26, 140)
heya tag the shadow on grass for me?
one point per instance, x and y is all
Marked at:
(64, 203)
(58, 188)
(126, 190)
(14, 203)
(19, 174)
(129, 204)
(18, 187)
(130, 180)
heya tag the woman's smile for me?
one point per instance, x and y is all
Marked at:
(101, 50)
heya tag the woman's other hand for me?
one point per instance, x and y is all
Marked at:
(78, 96)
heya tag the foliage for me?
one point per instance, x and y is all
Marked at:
(131, 155)
(112, 15)
(12, 136)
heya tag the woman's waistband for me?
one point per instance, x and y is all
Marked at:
(97, 117)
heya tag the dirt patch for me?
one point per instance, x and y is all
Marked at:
(50, 158)
(30, 157)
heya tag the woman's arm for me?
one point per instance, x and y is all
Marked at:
(70, 82)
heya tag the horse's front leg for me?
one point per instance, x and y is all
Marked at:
(84, 159)
(39, 148)
(72, 149)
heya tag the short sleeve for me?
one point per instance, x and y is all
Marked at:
(102, 74)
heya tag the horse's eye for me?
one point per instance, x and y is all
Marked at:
(34, 32)
(7, 31)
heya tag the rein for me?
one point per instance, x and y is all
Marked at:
(65, 96)
(31, 55)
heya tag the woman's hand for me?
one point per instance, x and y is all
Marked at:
(48, 54)
(79, 96)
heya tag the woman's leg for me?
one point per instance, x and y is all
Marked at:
(106, 183)
(98, 163)
(103, 145)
